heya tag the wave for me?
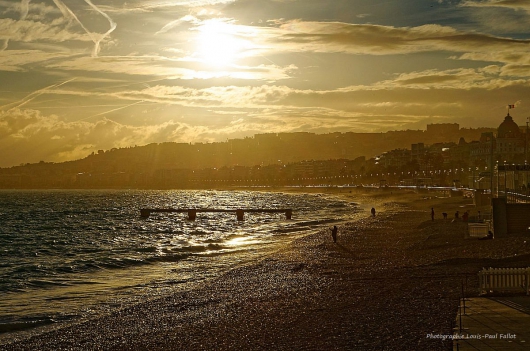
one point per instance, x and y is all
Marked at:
(63, 239)
(317, 222)
(24, 325)
(289, 230)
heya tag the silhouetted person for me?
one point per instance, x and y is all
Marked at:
(432, 213)
(465, 216)
(479, 217)
(445, 215)
(457, 215)
(373, 212)
(334, 233)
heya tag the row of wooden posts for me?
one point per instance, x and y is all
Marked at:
(192, 212)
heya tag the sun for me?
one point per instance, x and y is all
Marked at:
(219, 44)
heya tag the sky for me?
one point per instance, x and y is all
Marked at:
(78, 76)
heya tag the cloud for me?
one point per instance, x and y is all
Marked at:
(31, 136)
(514, 57)
(514, 4)
(516, 70)
(406, 101)
(499, 16)
(462, 78)
(419, 85)
(160, 66)
(16, 60)
(317, 37)
(369, 39)
(142, 6)
(29, 31)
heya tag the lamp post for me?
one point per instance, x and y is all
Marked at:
(491, 165)
(526, 157)
(498, 186)
(505, 182)
(526, 142)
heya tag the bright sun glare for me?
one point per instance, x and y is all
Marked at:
(218, 43)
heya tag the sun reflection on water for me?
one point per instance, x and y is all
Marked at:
(241, 241)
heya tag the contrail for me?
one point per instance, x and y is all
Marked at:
(34, 95)
(112, 27)
(170, 25)
(67, 13)
(70, 15)
(115, 109)
(24, 9)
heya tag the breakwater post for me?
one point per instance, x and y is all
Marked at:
(240, 213)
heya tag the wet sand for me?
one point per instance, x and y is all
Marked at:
(387, 283)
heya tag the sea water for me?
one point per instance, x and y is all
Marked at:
(71, 254)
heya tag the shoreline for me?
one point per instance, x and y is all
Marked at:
(25, 327)
(387, 283)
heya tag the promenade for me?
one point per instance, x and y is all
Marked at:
(494, 324)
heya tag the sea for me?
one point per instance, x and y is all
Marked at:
(68, 255)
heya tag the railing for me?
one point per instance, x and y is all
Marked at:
(504, 279)
(513, 196)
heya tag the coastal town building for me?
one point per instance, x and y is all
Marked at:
(395, 158)
(446, 129)
(510, 145)
(440, 152)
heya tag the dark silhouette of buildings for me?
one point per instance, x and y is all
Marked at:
(284, 159)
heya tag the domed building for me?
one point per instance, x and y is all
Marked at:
(510, 142)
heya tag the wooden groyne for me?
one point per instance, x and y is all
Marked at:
(192, 212)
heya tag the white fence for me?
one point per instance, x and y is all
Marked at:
(504, 279)
(477, 230)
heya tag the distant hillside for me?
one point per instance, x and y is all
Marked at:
(262, 149)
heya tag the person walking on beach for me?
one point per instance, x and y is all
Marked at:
(432, 213)
(373, 212)
(334, 231)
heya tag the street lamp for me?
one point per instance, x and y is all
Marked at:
(526, 142)
(491, 163)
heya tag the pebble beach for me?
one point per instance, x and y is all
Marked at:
(388, 282)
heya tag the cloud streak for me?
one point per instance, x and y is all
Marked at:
(24, 9)
(386, 40)
(107, 33)
(514, 4)
(28, 98)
